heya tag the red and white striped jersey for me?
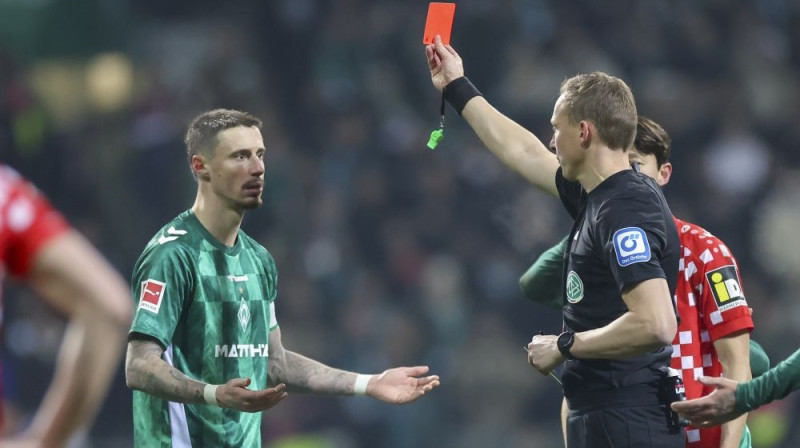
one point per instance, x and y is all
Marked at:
(712, 305)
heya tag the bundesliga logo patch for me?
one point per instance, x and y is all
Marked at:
(725, 288)
(151, 295)
(631, 246)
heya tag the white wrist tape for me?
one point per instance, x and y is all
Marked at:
(361, 384)
(210, 394)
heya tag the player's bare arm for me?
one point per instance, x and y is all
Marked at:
(650, 323)
(399, 385)
(59, 275)
(146, 371)
(734, 355)
(99, 311)
(515, 146)
(302, 374)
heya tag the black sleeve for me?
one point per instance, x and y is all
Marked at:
(632, 233)
(571, 193)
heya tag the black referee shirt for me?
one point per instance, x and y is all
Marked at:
(623, 234)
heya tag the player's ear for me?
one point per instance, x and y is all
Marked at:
(664, 174)
(200, 168)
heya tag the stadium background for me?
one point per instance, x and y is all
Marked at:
(389, 253)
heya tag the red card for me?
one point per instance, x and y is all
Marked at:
(439, 21)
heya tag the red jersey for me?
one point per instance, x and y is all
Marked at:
(711, 305)
(27, 222)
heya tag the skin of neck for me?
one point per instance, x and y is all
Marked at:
(601, 162)
(220, 218)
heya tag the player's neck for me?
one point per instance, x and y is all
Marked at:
(221, 221)
(600, 164)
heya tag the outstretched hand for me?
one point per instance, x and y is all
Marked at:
(715, 408)
(444, 62)
(402, 385)
(235, 395)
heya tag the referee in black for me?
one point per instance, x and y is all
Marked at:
(621, 263)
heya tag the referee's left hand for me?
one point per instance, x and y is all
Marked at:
(543, 353)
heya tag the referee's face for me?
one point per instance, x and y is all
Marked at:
(566, 141)
(236, 171)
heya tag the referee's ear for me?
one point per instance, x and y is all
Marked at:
(664, 174)
(587, 133)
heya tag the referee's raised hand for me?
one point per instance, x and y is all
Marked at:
(444, 62)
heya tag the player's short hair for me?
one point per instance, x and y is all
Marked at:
(604, 100)
(202, 133)
(651, 138)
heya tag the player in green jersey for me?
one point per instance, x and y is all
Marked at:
(205, 353)
(732, 399)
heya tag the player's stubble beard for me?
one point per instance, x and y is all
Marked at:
(251, 204)
(251, 201)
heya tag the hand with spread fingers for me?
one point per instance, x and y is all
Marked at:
(235, 395)
(402, 385)
(715, 408)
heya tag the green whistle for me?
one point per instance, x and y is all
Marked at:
(436, 137)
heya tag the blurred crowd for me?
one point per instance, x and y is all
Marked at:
(390, 253)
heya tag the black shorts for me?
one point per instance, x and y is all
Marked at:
(630, 427)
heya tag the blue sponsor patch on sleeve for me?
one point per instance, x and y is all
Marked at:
(631, 246)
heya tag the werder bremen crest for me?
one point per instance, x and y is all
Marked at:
(243, 315)
(574, 287)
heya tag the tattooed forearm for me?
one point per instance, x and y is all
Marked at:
(147, 372)
(276, 367)
(304, 375)
(276, 372)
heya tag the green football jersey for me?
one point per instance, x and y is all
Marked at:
(211, 307)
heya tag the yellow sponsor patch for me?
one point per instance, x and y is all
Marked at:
(725, 287)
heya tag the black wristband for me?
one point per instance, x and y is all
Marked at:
(459, 92)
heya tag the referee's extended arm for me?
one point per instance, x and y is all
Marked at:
(514, 145)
